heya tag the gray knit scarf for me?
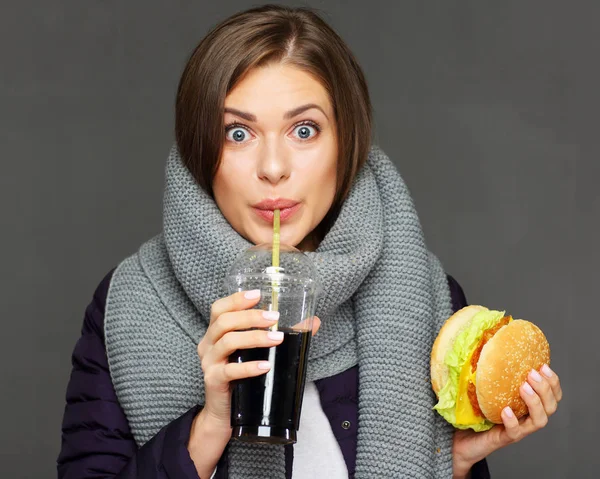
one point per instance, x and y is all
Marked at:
(385, 298)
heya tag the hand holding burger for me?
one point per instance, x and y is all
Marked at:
(491, 376)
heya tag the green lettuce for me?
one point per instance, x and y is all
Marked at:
(455, 359)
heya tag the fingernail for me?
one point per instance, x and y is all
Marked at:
(547, 371)
(508, 412)
(275, 335)
(264, 365)
(535, 376)
(253, 294)
(528, 389)
(271, 315)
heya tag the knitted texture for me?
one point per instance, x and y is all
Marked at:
(385, 298)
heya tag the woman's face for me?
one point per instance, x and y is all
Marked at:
(280, 151)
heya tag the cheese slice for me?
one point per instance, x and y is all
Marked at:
(465, 415)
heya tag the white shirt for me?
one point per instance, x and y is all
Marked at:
(316, 453)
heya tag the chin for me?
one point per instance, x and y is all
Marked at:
(291, 241)
(293, 235)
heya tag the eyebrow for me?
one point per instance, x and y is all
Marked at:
(241, 114)
(302, 109)
(288, 115)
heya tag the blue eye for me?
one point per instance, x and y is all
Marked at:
(304, 132)
(236, 134)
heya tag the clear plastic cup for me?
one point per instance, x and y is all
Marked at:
(267, 408)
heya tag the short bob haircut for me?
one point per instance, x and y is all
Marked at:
(254, 38)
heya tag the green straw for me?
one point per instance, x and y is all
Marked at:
(275, 261)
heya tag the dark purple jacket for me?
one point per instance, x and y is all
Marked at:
(97, 442)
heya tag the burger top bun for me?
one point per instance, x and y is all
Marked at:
(505, 361)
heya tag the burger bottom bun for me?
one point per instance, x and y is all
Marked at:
(445, 341)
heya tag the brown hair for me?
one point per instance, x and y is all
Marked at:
(271, 33)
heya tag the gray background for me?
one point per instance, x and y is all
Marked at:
(489, 109)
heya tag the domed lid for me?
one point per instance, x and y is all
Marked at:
(257, 263)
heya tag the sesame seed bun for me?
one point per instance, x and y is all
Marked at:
(504, 364)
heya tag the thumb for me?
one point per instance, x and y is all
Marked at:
(316, 325)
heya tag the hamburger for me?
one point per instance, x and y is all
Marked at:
(479, 361)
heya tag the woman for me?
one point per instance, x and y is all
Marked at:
(273, 111)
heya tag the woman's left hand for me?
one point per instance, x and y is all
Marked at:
(541, 393)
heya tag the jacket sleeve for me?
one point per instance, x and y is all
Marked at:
(96, 439)
(480, 470)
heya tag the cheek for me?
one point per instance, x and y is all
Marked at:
(327, 186)
(322, 179)
(233, 174)
(328, 174)
(228, 185)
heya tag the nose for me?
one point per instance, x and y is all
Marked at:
(274, 164)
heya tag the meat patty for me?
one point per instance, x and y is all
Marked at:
(487, 335)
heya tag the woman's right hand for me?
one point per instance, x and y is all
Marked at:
(233, 326)
(230, 329)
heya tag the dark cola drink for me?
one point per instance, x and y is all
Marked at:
(267, 408)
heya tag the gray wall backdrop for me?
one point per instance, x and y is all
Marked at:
(488, 108)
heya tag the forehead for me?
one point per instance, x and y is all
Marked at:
(277, 86)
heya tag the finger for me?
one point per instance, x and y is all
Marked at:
(303, 325)
(219, 376)
(537, 414)
(235, 302)
(235, 340)
(234, 371)
(544, 391)
(240, 320)
(512, 427)
(316, 325)
(553, 380)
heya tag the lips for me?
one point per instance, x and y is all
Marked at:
(266, 209)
